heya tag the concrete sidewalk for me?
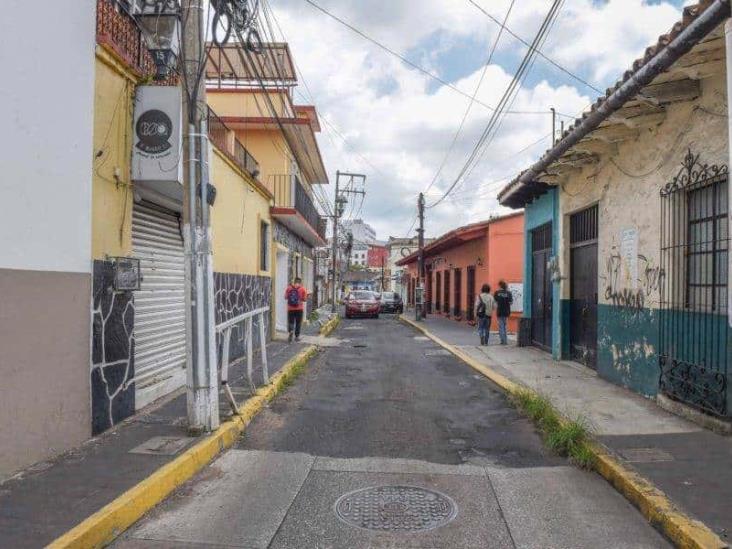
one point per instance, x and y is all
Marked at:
(691, 465)
(49, 498)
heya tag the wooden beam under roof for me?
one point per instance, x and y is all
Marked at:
(685, 89)
(615, 133)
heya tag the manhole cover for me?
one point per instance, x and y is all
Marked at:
(395, 508)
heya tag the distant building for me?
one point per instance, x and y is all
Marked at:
(459, 262)
(362, 231)
(396, 249)
(377, 256)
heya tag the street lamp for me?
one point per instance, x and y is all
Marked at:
(159, 20)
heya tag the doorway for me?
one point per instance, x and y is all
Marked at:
(470, 289)
(438, 292)
(583, 287)
(281, 286)
(457, 302)
(541, 287)
(446, 294)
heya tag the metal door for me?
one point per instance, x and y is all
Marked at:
(160, 310)
(470, 293)
(583, 287)
(541, 287)
(458, 284)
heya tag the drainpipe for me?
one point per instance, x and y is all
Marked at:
(706, 22)
(728, 57)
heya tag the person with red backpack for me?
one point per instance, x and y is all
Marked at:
(295, 295)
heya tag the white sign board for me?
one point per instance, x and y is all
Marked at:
(629, 258)
(517, 292)
(156, 149)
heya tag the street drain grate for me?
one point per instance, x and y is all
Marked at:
(395, 509)
(646, 455)
(437, 352)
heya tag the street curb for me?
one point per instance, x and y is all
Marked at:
(653, 504)
(110, 521)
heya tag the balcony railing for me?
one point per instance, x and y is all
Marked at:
(117, 30)
(225, 140)
(290, 193)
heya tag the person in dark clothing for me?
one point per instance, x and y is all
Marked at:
(295, 295)
(503, 299)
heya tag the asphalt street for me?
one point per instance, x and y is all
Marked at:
(386, 440)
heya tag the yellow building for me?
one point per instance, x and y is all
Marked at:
(252, 96)
(139, 336)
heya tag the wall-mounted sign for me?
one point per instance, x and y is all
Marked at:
(517, 292)
(156, 147)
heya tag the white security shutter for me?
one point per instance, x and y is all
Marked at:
(160, 335)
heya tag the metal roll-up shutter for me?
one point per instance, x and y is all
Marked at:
(160, 332)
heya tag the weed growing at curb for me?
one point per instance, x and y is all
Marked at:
(565, 437)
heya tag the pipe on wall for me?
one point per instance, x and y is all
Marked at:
(728, 66)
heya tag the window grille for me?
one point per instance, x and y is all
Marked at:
(694, 333)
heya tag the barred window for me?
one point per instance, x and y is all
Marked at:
(706, 280)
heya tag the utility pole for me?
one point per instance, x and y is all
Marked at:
(202, 376)
(419, 303)
(340, 202)
(554, 125)
(382, 273)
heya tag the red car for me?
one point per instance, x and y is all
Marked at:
(362, 303)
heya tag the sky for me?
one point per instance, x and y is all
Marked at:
(391, 122)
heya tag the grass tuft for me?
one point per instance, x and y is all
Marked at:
(566, 437)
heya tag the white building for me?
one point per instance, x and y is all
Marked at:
(362, 232)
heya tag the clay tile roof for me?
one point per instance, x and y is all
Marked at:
(690, 13)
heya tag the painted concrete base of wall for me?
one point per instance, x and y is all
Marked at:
(44, 360)
(718, 425)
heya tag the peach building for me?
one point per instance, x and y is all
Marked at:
(459, 262)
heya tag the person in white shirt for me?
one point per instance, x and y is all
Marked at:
(484, 306)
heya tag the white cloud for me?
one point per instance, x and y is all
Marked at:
(387, 113)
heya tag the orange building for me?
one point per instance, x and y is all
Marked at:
(459, 262)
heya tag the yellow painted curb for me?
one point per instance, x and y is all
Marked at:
(114, 518)
(655, 506)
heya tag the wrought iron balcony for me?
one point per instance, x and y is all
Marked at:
(117, 30)
(290, 193)
(225, 140)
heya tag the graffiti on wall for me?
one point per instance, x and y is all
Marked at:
(632, 280)
(113, 350)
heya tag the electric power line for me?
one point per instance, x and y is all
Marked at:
(472, 99)
(408, 62)
(496, 116)
(525, 43)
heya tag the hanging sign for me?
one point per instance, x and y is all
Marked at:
(156, 144)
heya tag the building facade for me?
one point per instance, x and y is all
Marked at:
(459, 262)
(92, 266)
(627, 225)
(397, 249)
(45, 216)
(282, 137)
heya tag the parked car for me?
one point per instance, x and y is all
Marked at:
(362, 303)
(391, 302)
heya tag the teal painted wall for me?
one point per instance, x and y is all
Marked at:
(543, 210)
(627, 347)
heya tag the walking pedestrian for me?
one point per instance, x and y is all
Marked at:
(503, 298)
(483, 308)
(295, 295)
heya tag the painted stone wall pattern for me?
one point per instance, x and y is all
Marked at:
(236, 294)
(113, 350)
